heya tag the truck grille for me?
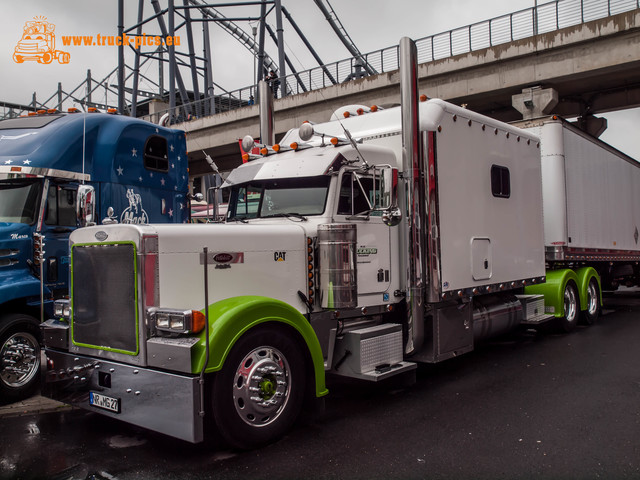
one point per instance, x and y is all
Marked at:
(104, 297)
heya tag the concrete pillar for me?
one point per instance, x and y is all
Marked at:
(157, 108)
(535, 102)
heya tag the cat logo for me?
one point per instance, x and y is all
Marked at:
(279, 256)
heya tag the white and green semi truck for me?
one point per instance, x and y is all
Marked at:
(358, 247)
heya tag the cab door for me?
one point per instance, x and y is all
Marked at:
(59, 221)
(355, 201)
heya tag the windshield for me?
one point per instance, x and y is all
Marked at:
(19, 201)
(281, 197)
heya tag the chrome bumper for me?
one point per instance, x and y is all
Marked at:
(160, 401)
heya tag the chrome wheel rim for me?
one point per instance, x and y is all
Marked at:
(592, 299)
(261, 387)
(570, 304)
(19, 359)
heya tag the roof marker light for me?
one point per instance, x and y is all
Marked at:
(276, 148)
(423, 98)
(374, 108)
(294, 146)
(360, 111)
(92, 109)
(346, 114)
(334, 141)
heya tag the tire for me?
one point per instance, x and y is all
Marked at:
(46, 58)
(259, 393)
(591, 314)
(19, 359)
(571, 308)
(18, 58)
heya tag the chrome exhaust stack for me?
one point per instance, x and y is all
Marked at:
(414, 219)
(267, 128)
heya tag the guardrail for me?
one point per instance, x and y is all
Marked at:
(543, 18)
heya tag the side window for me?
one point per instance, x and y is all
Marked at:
(500, 181)
(357, 195)
(61, 206)
(155, 154)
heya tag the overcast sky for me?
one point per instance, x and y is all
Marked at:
(372, 24)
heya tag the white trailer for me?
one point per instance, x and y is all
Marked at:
(357, 247)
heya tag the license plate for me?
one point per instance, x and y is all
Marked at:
(102, 401)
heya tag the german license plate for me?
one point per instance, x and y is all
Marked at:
(102, 401)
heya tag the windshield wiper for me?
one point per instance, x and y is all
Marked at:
(287, 215)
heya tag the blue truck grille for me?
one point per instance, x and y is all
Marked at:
(104, 297)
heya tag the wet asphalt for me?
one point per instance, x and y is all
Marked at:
(525, 406)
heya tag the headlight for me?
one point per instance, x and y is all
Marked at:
(62, 309)
(176, 321)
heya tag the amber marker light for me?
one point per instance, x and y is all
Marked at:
(334, 141)
(294, 146)
(198, 320)
(346, 114)
(423, 98)
(264, 151)
(360, 111)
(245, 157)
(374, 108)
(276, 147)
(72, 110)
(112, 110)
(92, 109)
(41, 112)
(52, 110)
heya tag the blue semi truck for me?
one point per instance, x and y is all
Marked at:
(60, 171)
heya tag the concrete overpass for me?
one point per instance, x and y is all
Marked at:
(594, 67)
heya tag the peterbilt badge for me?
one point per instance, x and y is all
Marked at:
(101, 235)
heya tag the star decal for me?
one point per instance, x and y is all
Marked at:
(120, 170)
(171, 147)
(173, 165)
(26, 162)
(162, 182)
(170, 212)
(140, 178)
(157, 130)
(134, 152)
(8, 162)
(175, 187)
(178, 157)
(151, 174)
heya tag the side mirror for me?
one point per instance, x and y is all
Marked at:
(86, 206)
(391, 214)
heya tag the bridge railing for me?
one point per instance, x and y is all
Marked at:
(543, 18)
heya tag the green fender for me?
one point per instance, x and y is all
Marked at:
(584, 276)
(230, 318)
(553, 289)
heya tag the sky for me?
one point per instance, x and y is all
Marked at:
(372, 24)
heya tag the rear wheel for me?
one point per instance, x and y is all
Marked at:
(259, 392)
(571, 308)
(590, 315)
(19, 360)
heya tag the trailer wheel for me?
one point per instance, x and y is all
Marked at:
(591, 314)
(19, 359)
(571, 308)
(258, 394)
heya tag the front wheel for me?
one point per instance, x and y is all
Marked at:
(259, 392)
(19, 362)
